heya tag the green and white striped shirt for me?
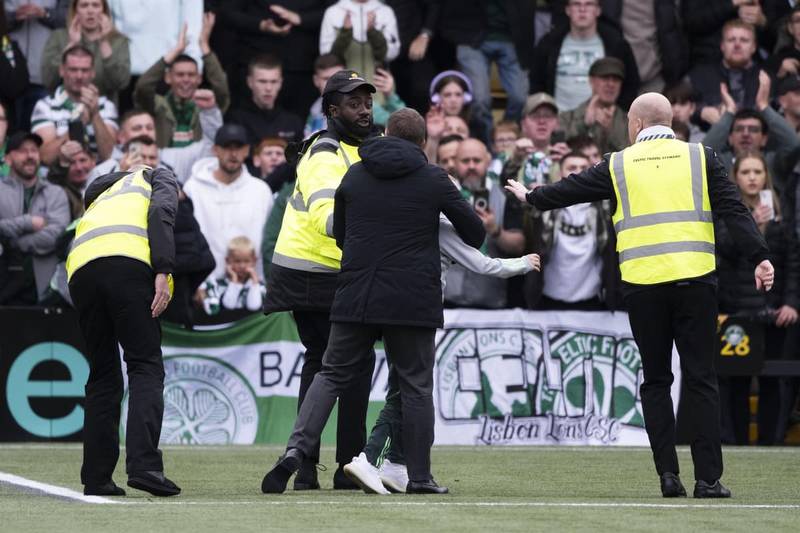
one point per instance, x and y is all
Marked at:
(58, 110)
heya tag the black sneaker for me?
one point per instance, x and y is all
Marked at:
(703, 489)
(671, 486)
(106, 489)
(276, 479)
(425, 487)
(342, 482)
(154, 482)
(306, 478)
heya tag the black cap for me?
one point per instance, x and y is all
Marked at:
(231, 134)
(788, 84)
(346, 81)
(16, 140)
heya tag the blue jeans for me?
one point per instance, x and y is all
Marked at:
(476, 64)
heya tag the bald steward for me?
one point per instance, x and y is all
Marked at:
(649, 109)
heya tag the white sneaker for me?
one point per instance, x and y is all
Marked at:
(365, 475)
(393, 476)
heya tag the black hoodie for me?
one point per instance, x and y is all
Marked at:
(386, 221)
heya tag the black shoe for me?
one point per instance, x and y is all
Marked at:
(425, 487)
(154, 482)
(710, 490)
(306, 478)
(671, 486)
(106, 489)
(342, 482)
(276, 479)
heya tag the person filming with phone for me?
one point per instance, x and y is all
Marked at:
(776, 310)
(502, 220)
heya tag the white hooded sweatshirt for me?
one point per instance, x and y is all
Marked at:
(228, 211)
(385, 22)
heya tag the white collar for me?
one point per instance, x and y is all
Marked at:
(655, 132)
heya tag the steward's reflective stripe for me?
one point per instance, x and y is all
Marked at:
(301, 264)
(665, 248)
(297, 203)
(697, 215)
(320, 195)
(106, 230)
(329, 226)
(337, 145)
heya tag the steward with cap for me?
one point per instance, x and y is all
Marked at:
(120, 271)
(664, 195)
(306, 261)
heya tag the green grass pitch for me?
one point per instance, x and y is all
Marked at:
(493, 490)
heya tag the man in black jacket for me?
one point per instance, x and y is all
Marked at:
(552, 59)
(386, 220)
(288, 29)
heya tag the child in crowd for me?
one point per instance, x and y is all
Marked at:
(240, 288)
(506, 132)
(269, 153)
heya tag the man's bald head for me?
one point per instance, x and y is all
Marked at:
(472, 163)
(649, 109)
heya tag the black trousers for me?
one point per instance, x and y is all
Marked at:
(113, 297)
(685, 313)
(410, 351)
(314, 328)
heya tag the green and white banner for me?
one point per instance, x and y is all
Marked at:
(501, 377)
(521, 377)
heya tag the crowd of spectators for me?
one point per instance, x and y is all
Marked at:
(531, 90)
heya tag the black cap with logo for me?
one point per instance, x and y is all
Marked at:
(346, 81)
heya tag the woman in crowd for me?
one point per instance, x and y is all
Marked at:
(89, 23)
(776, 310)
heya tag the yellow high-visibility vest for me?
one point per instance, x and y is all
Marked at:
(306, 239)
(115, 224)
(663, 220)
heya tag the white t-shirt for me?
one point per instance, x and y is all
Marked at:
(574, 268)
(572, 70)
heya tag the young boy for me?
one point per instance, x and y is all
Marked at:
(240, 288)
(269, 153)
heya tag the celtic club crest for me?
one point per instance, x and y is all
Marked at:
(205, 402)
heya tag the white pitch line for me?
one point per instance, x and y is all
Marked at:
(613, 505)
(51, 490)
(61, 492)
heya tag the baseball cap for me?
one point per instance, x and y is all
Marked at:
(15, 141)
(608, 66)
(231, 134)
(788, 84)
(346, 81)
(537, 100)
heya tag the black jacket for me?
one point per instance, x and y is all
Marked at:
(672, 42)
(160, 215)
(596, 184)
(412, 17)
(262, 123)
(545, 60)
(705, 80)
(737, 289)
(464, 22)
(15, 80)
(297, 50)
(386, 221)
